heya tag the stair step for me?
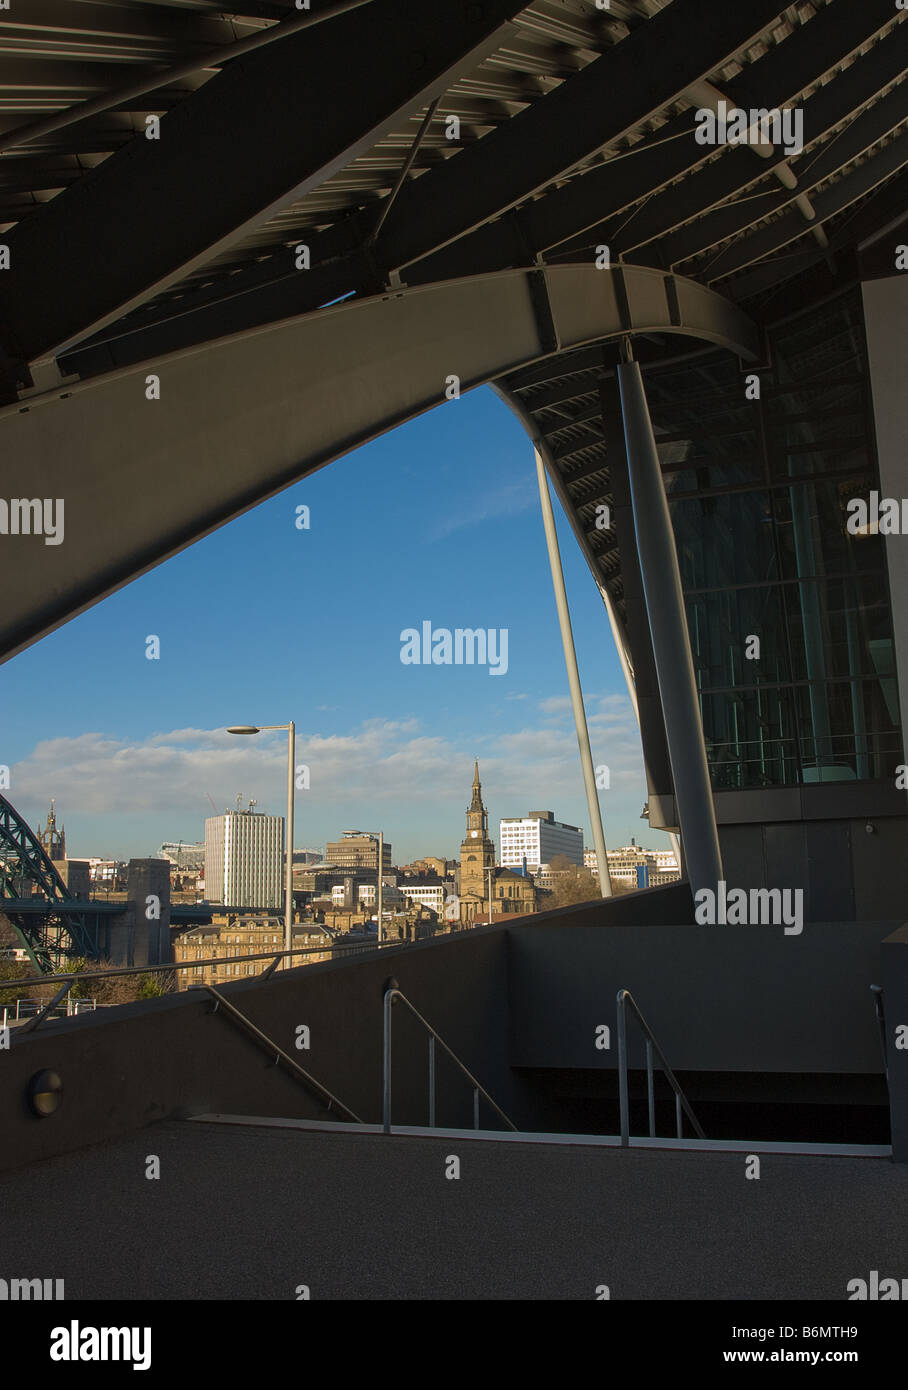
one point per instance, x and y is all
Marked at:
(607, 1141)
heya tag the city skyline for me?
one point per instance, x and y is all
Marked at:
(320, 844)
(138, 746)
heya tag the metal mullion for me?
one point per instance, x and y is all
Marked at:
(774, 485)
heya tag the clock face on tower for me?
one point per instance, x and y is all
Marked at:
(473, 834)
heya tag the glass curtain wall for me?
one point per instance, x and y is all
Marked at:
(788, 612)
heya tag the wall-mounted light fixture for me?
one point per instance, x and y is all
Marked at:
(45, 1093)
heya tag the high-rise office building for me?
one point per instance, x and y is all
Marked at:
(244, 859)
(539, 838)
(356, 850)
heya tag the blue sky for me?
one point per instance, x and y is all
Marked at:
(263, 622)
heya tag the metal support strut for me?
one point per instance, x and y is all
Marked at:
(570, 661)
(671, 643)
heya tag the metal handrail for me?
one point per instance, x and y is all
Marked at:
(341, 946)
(35, 1022)
(877, 992)
(235, 1016)
(478, 1089)
(681, 1103)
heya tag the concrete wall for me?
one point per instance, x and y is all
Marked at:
(76, 874)
(747, 999)
(528, 995)
(815, 838)
(135, 937)
(124, 1069)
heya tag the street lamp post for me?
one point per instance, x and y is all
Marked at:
(380, 886)
(288, 867)
(380, 836)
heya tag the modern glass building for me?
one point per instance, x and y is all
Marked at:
(788, 608)
(788, 611)
(794, 608)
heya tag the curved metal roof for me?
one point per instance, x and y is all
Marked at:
(575, 129)
(403, 145)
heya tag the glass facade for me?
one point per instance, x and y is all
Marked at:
(758, 492)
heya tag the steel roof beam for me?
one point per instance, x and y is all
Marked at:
(791, 225)
(557, 370)
(242, 419)
(251, 140)
(581, 474)
(560, 395)
(875, 211)
(585, 205)
(134, 27)
(591, 438)
(686, 41)
(123, 97)
(718, 182)
(606, 100)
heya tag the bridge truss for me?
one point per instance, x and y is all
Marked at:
(52, 926)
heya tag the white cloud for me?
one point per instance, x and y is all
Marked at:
(96, 774)
(385, 766)
(507, 499)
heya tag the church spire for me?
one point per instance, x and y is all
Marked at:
(477, 853)
(476, 803)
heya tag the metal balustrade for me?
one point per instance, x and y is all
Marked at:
(625, 998)
(877, 992)
(391, 994)
(236, 1016)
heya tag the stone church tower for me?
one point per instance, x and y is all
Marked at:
(53, 841)
(477, 853)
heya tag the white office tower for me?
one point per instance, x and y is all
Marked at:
(539, 837)
(244, 859)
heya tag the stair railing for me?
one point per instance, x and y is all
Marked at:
(435, 1040)
(625, 999)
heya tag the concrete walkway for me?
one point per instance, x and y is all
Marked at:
(252, 1213)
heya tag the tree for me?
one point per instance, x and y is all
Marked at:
(117, 989)
(11, 970)
(154, 986)
(571, 883)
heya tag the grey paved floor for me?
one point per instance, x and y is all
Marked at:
(253, 1213)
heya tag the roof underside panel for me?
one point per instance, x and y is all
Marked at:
(554, 128)
(372, 145)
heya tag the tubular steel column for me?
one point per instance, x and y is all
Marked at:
(570, 660)
(288, 867)
(671, 643)
(379, 887)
